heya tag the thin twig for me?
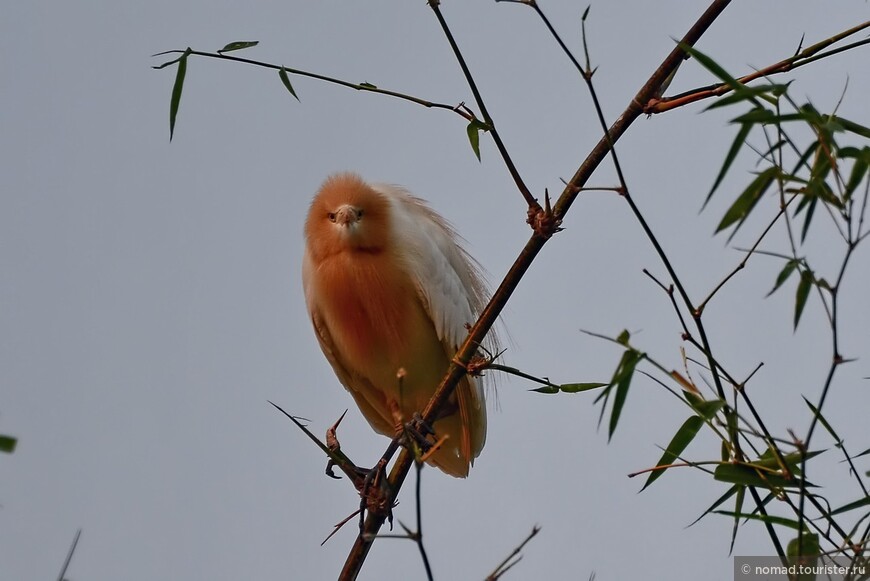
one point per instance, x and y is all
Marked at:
(69, 555)
(460, 109)
(419, 535)
(505, 565)
(512, 169)
(805, 57)
(742, 264)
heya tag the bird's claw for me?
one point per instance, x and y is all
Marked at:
(375, 494)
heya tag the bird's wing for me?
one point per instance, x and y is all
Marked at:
(450, 286)
(448, 281)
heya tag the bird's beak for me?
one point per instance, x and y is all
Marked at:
(347, 216)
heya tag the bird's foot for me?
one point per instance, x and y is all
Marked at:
(416, 435)
(375, 496)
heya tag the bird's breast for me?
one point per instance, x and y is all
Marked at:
(371, 307)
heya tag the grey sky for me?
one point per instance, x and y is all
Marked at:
(151, 304)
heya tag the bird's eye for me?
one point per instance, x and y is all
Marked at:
(331, 216)
(359, 213)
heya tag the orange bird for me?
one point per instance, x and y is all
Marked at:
(389, 287)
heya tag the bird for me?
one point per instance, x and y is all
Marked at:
(391, 293)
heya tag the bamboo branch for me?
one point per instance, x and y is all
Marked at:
(373, 523)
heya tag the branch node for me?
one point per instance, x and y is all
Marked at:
(544, 221)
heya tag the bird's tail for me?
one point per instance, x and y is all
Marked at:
(465, 431)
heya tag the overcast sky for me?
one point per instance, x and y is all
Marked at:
(151, 301)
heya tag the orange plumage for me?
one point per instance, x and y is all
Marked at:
(388, 288)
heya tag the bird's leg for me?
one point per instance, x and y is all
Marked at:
(416, 433)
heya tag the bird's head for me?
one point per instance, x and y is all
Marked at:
(347, 215)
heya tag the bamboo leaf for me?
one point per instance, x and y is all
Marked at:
(804, 550)
(474, 128)
(238, 45)
(709, 408)
(811, 208)
(783, 275)
(285, 78)
(715, 68)
(579, 387)
(728, 494)
(823, 421)
(623, 381)
(7, 444)
(853, 127)
(775, 520)
(760, 91)
(623, 337)
(738, 508)
(859, 170)
(792, 460)
(736, 473)
(735, 148)
(177, 88)
(803, 292)
(746, 201)
(548, 389)
(861, 502)
(681, 439)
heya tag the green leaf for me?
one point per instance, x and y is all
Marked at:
(285, 78)
(736, 146)
(861, 502)
(623, 337)
(738, 508)
(853, 127)
(804, 551)
(747, 92)
(717, 503)
(811, 208)
(746, 201)
(859, 170)
(548, 389)
(802, 160)
(238, 45)
(714, 68)
(803, 292)
(775, 520)
(622, 379)
(578, 387)
(792, 460)
(175, 100)
(823, 421)
(768, 117)
(783, 275)
(7, 444)
(474, 128)
(681, 439)
(708, 408)
(744, 474)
